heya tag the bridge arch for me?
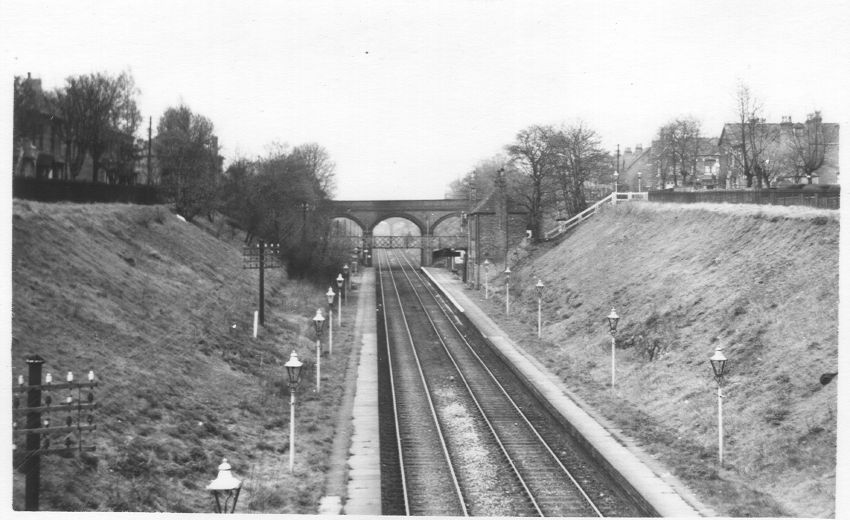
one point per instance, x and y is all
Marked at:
(443, 218)
(350, 217)
(426, 215)
(406, 216)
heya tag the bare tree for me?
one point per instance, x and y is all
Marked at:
(318, 160)
(532, 155)
(809, 147)
(679, 142)
(187, 150)
(578, 155)
(95, 108)
(477, 184)
(749, 111)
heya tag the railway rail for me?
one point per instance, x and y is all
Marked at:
(463, 436)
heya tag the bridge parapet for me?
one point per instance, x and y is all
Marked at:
(425, 214)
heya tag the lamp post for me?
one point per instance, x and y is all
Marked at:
(639, 176)
(507, 291)
(616, 177)
(345, 270)
(319, 323)
(330, 295)
(339, 281)
(613, 318)
(293, 369)
(486, 279)
(718, 365)
(225, 486)
(539, 288)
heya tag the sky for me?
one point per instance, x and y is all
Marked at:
(408, 96)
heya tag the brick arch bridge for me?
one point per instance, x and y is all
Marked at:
(491, 228)
(426, 215)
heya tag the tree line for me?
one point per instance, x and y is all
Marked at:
(549, 170)
(93, 114)
(546, 169)
(276, 198)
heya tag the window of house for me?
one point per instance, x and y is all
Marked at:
(710, 166)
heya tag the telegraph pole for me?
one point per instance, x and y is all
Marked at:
(37, 428)
(33, 463)
(257, 258)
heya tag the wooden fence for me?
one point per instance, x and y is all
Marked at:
(51, 190)
(817, 196)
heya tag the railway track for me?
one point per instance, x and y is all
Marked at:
(469, 439)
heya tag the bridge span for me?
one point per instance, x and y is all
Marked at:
(425, 214)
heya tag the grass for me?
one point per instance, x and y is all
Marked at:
(150, 303)
(760, 281)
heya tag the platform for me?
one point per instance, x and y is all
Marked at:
(659, 489)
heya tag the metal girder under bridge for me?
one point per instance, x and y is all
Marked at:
(405, 242)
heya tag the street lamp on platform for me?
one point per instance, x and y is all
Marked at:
(616, 177)
(330, 296)
(507, 291)
(225, 487)
(718, 365)
(639, 176)
(339, 280)
(539, 288)
(293, 370)
(319, 324)
(346, 273)
(613, 318)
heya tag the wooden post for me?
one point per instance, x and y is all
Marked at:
(262, 297)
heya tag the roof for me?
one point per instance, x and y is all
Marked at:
(731, 134)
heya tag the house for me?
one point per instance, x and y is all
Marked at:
(39, 149)
(634, 169)
(42, 149)
(651, 168)
(783, 147)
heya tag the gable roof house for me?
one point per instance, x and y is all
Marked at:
(635, 165)
(783, 151)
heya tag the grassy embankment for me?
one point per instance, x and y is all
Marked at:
(149, 303)
(760, 281)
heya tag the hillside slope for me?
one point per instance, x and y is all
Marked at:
(760, 281)
(162, 311)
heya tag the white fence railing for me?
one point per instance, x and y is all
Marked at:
(568, 224)
(631, 195)
(613, 198)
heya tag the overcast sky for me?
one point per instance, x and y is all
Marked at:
(408, 96)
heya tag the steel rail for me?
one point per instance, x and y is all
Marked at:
(475, 400)
(393, 395)
(542, 441)
(439, 430)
